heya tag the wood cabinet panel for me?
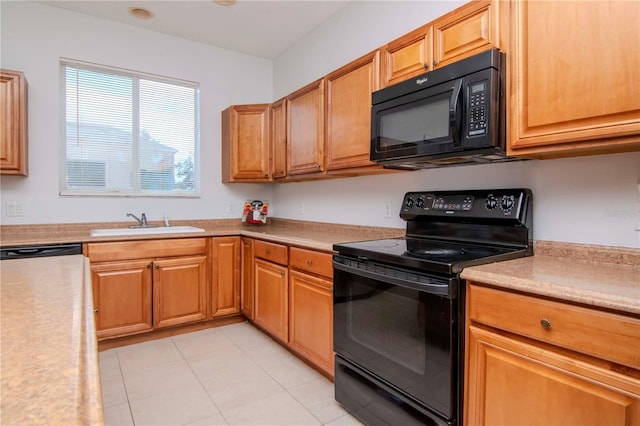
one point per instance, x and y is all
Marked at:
(311, 261)
(126, 250)
(13, 123)
(572, 78)
(602, 334)
(407, 56)
(279, 139)
(179, 291)
(245, 143)
(247, 292)
(271, 298)
(467, 31)
(122, 297)
(225, 276)
(272, 252)
(348, 114)
(305, 129)
(311, 318)
(510, 379)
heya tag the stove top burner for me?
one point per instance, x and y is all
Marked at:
(434, 252)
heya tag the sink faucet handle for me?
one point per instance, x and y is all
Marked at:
(143, 219)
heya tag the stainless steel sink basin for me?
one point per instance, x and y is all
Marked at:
(144, 231)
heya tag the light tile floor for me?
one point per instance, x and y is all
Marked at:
(231, 375)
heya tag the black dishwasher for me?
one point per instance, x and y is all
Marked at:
(40, 251)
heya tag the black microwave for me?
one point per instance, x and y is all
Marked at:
(454, 115)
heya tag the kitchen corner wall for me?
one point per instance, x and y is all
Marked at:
(36, 35)
(593, 200)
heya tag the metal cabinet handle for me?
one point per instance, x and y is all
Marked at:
(545, 323)
(309, 262)
(435, 63)
(282, 273)
(149, 265)
(95, 311)
(317, 165)
(426, 65)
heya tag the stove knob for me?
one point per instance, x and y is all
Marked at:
(410, 202)
(491, 202)
(420, 203)
(507, 203)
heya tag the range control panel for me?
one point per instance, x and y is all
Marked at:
(481, 204)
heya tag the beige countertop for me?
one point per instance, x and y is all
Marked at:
(48, 345)
(601, 276)
(313, 235)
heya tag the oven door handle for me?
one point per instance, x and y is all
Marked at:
(436, 286)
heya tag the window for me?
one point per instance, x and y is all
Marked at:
(128, 133)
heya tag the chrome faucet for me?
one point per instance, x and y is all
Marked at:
(142, 222)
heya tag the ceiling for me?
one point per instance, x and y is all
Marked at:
(262, 28)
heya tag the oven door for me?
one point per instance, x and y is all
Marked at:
(400, 326)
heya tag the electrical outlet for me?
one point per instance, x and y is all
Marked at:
(387, 210)
(231, 209)
(15, 209)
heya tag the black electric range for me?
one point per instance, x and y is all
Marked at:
(399, 303)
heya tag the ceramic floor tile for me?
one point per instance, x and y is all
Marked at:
(113, 390)
(289, 371)
(157, 379)
(246, 336)
(231, 388)
(179, 406)
(277, 409)
(147, 354)
(202, 342)
(347, 420)
(318, 397)
(118, 415)
(216, 420)
(109, 364)
(210, 364)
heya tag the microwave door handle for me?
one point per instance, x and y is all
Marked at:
(455, 111)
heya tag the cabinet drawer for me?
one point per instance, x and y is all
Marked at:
(273, 252)
(311, 261)
(129, 250)
(606, 335)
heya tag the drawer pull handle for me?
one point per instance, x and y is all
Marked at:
(309, 262)
(545, 323)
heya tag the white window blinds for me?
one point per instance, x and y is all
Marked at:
(127, 133)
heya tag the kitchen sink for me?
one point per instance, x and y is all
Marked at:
(144, 231)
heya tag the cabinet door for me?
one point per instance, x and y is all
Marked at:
(573, 78)
(279, 139)
(225, 276)
(179, 290)
(305, 129)
(271, 298)
(510, 380)
(466, 31)
(407, 56)
(348, 117)
(246, 302)
(311, 318)
(13, 123)
(245, 143)
(122, 297)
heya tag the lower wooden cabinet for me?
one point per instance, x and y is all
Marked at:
(122, 297)
(271, 294)
(225, 276)
(311, 318)
(246, 290)
(539, 362)
(139, 286)
(179, 290)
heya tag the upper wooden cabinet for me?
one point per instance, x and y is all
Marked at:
(13, 123)
(305, 130)
(245, 143)
(348, 113)
(278, 113)
(468, 30)
(573, 78)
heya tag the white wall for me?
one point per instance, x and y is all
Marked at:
(35, 36)
(593, 200)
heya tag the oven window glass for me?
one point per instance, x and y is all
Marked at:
(402, 335)
(415, 122)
